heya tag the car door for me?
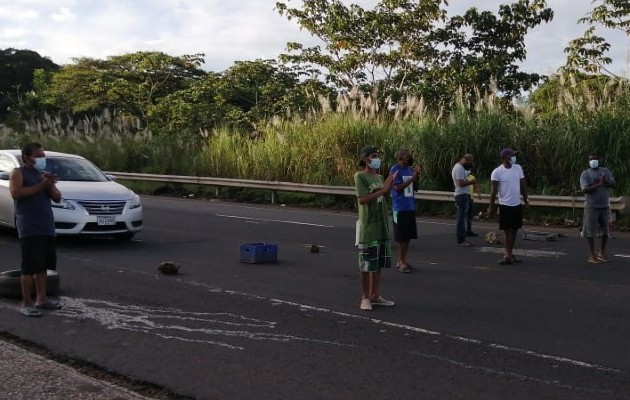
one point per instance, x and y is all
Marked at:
(7, 206)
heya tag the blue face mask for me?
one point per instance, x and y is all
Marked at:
(513, 160)
(593, 163)
(40, 163)
(375, 163)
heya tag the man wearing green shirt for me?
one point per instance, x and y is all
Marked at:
(373, 235)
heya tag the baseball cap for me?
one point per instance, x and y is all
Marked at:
(367, 150)
(508, 152)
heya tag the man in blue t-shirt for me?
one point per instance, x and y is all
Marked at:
(404, 205)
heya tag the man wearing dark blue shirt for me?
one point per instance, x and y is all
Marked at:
(404, 205)
(33, 188)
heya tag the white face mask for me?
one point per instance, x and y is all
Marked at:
(40, 163)
(593, 163)
(513, 160)
(375, 163)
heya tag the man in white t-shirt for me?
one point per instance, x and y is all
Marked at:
(508, 183)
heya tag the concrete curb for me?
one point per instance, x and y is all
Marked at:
(25, 375)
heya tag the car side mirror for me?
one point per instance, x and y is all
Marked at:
(4, 175)
(111, 177)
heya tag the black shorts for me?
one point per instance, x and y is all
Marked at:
(38, 254)
(510, 217)
(405, 228)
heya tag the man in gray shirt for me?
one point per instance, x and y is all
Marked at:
(462, 196)
(595, 182)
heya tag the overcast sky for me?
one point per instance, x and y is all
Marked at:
(230, 30)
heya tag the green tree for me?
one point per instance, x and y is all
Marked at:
(405, 46)
(244, 97)
(76, 88)
(136, 81)
(261, 89)
(191, 110)
(132, 82)
(587, 54)
(366, 48)
(483, 50)
(16, 76)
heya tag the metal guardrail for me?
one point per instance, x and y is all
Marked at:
(620, 204)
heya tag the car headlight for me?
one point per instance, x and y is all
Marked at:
(134, 202)
(64, 204)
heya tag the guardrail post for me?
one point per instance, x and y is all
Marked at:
(273, 197)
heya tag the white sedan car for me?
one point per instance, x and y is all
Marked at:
(92, 203)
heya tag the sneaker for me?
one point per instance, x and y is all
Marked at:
(380, 301)
(366, 305)
(594, 260)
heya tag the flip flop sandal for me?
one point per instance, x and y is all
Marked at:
(48, 305)
(30, 312)
(404, 269)
(506, 261)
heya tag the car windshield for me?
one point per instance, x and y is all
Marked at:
(74, 169)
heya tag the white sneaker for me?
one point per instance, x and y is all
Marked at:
(366, 305)
(380, 301)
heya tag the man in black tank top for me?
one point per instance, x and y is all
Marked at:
(33, 188)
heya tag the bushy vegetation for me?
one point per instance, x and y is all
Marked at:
(322, 148)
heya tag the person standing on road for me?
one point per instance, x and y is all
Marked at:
(474, 189)
(508, 183)
(373, 226)
(594, 183)
(404, 205)
(462, 196)
(33, 188)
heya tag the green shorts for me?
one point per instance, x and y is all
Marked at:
(374, 256)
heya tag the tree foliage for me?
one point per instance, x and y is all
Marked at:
(131, 82)
(243, 96)
(17, 69)
(411, 46)
(587, 54)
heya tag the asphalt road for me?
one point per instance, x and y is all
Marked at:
(464, 327)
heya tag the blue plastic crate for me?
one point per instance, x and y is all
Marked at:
(258, 253)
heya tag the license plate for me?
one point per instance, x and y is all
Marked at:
(106, 220)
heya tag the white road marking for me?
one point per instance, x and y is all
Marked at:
(523, 252)
(176, 324)
(510, 374)
(622, 255)
(531, 353)
(273, 220)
